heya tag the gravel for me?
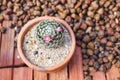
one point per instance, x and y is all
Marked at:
(39, 55)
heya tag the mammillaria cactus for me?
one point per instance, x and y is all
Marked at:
(50, 33)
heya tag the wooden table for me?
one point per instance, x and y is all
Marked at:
(12, 67)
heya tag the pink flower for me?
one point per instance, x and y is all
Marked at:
(46, 39)
(59, 29)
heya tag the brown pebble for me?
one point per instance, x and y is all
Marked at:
(96, 65)
(93, 35)
(84, 51)
(88, 78)
(1, 18)
(90, 13)
(107, 3)
(101, 48)
(77, 5)
(97, 17)
(87, 1)
(86, 38)
(72, 10)
(117, 35)
(63, 1)
(83, 45)
(88, 30)
(108, 65)
(60, 7)
(100, 11)
(76, 27)
(62, 15)
(85, 62)
(3, 30)
(105, 59)
(103, 41)
(9, 4)
(90, 45)
(109, 44)
(6, 17)
(91, 62)
(112, 39)
(92, 69)
(97, 28)
(103, 68)
(101, 34)
(78, 35)
(20, 12)
(89, 22)
(110, 57)
(114, 61)
(95, 5)
(36, 13)
(83, 26)
(110, 31)
(75, 16)
(85, 68)
(19, 23)
(68, 19)
(111, 16)
(8, 11)
(86, 73)
(84, 6)
(101, 2)
(100, 60)
(90, 52)
(56, 2)
(117, 64)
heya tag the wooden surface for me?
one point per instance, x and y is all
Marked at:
(12, 68)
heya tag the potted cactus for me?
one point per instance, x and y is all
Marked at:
(50, 33)
(46, 43)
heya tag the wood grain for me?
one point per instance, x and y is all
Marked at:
(17, 59)
(59, 75)
(7, 49)
(75, 66)
(23, 73)
(6, 74)
(113, 73)
(0, 41)
(39, 75)
(98, 75)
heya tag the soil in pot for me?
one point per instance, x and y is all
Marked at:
(46, 53)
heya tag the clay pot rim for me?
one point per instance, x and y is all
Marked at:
(29, 25)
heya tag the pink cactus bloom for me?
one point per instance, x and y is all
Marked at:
(59, 29)
(46, 39)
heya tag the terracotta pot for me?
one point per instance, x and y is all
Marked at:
(31, 24)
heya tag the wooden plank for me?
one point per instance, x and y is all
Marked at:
(75, 66)
(98, 75)
(39, 75)
(7, 49)
(17, 59)
(113, 73)
(59, 75)
(6, 74)
(22, 73)
(0, 35)
(0, 41)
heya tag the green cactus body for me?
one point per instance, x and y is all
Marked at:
(50, 33)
